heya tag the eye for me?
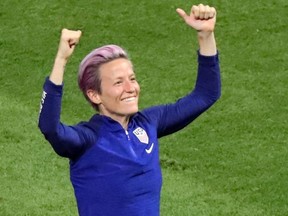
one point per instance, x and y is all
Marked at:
(133, 78)
(119, 82)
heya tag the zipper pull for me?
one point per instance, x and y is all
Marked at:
(127, 134)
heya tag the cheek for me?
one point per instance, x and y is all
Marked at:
(137, 87)
(110, 94)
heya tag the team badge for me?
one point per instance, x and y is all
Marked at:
(141, 134)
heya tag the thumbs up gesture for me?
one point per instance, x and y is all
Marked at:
(202, 17)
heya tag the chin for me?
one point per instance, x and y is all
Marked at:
(131, 111)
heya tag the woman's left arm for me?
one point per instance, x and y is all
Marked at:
(173, 117)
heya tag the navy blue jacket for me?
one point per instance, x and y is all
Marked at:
(116, 171)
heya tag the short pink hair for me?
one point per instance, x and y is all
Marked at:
(89, 75)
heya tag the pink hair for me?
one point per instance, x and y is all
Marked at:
(88, 74)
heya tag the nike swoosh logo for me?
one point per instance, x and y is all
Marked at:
(150, 149)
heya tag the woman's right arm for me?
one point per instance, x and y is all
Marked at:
(68, 41)
(66, 140)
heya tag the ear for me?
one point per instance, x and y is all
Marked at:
(93, 96)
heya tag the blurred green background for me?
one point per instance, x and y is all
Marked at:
(233, 160)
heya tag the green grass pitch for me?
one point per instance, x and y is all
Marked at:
(233, 160)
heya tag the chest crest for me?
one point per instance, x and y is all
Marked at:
(141, 134)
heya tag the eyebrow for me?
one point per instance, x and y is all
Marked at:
(121, 77)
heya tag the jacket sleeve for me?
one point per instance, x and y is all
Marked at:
(67, 141)
(172, 117)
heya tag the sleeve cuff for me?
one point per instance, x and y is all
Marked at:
(51, 88)
(208, 60)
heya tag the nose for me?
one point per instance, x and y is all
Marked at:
(128, 86)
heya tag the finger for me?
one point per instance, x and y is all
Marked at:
(207, 12)
(78, 33)
(195, 11)
(212, 12)
(71, 33)
(201, 11)
(182, 13)
(72, 43)
(76, 36)
(73, 37)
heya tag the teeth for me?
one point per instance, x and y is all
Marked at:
(129, 99)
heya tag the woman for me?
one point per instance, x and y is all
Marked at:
(114, 157)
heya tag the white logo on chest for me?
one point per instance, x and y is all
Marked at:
(141, 134)
(150, 149)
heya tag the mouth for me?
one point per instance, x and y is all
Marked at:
(129, 99)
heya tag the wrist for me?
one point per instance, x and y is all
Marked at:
(205, 35)
(57, 73)
(61, 61)
(207, 43)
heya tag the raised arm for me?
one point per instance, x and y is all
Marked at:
(68, 41)
(202, 19)
(66, 140)
(173, 117)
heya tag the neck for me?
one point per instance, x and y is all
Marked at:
(122, 120)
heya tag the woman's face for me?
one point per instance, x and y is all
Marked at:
(120, 90)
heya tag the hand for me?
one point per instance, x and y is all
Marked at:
(67, 44)
(202, 18)
(69, 39)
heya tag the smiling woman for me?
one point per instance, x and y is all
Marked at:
(114, 157)
(119, 91)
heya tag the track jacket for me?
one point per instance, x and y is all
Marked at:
(116, 172)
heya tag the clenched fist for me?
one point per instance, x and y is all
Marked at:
(202, 17)
(68, 41)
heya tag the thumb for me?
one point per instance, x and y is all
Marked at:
(182, 13)
(75, 37)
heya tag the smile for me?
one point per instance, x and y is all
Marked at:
(129, 99)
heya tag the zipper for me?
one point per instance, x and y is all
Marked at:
(127, 134)
(130, 144)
